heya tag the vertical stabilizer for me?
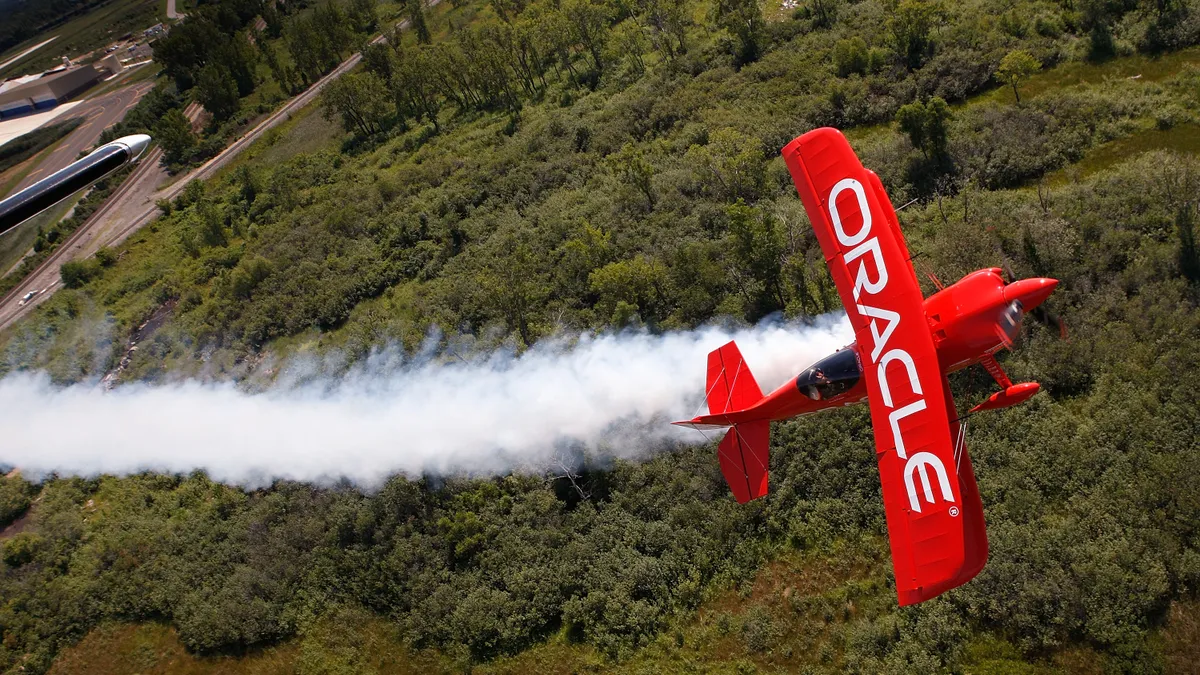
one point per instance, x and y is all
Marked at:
(730, 386)
(744, 452)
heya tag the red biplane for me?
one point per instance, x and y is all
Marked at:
(905, 346)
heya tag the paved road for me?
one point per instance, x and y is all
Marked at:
(99, 114)
(34, 48)
(171, 13)
(130, 208)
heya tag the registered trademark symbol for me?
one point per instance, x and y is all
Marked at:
(954, 510)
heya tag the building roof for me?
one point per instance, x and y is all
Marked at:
(18, 81)
(44, 78)
(51, 76)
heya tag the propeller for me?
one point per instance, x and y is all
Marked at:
(1050, 320)
(1039, 313)
(1008, 328)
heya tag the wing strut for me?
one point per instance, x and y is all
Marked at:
(989, 363)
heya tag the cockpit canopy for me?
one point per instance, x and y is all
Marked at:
(831, 376)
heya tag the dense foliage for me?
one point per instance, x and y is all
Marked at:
(602, 185)
(220, 59)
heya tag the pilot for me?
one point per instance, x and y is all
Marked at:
(817, 380)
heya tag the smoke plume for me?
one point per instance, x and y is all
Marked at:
(609, 395)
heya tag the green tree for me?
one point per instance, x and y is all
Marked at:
(756, 240)
(250, 272)
(1098, 17)
(1189, 256)
(910, 24)
(360, 100)
(668, 20)
(217, 91)
(1016, 66)
(273, 19)
(508, 9)
(363, 15)
(20, 548)
(307, 46)
(187, 48)
(15, 496)
(240, 58)
(927, 126)
(414, 84)
(730, 167)
(174, 134)
(590, 249)
(511, 281)
(589, 23)
(629, 288)
(416, 20)
(630, 42)
(824, 12)
(377, 59)
(335, 24)
(743, 20)
(76, 273)
(630, 166)
(850, 56)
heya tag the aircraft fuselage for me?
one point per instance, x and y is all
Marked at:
(967, 321)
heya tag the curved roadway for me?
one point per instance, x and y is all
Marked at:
(98, 114)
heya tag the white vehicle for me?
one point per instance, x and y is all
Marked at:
(27, 297)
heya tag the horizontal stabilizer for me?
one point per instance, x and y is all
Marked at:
(744, 456)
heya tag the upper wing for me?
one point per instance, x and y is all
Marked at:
(869, 262)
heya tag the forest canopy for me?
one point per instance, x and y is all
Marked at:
(525, 170)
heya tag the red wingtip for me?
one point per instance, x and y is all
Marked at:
(1017, 393)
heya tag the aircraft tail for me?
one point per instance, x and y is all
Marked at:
(730, 386)
(744, 455)
(744, 452)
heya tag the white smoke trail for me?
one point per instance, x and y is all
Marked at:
(612, 394)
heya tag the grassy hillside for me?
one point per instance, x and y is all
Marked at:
(635, 181)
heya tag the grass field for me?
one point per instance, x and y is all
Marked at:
(1137, 66)
(1183, 138)
(1111, 73)
(306, 131)
(84, 33)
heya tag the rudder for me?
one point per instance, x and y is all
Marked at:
(729, 387)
